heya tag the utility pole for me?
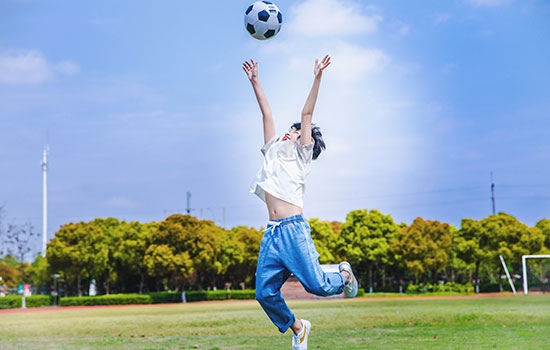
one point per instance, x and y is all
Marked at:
(493, 193)
(44, 164)
(188, 202)
(224, 217)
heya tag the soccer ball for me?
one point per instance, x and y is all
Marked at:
(263, 20)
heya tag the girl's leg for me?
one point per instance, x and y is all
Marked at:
(301, 258)
(270, 276)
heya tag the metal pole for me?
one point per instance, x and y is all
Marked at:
(493, 193)
(44, 198)
(523, 265)
(188, 202)
(508, 274)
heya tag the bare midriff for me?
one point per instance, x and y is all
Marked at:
(279, 209)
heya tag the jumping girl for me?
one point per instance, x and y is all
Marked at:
(286, 247)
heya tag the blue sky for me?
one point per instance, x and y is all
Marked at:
(141, 102)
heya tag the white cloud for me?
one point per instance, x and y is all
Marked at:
(24, 68)
(350, 62)
(30, 67)
(67, 68)
(321, 18)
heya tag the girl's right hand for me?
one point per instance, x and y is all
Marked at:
(251, 70)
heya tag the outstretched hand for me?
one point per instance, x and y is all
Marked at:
(320, 66)
(251, 70)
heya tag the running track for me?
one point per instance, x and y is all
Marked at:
(64, 308)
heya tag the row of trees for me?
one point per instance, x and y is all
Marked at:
(183, 252)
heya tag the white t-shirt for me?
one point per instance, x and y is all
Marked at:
(283, 174)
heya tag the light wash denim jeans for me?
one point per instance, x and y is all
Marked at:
(287, 248)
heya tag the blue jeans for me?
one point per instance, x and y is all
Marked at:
(287, 248)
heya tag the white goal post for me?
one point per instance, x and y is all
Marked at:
(524, 266)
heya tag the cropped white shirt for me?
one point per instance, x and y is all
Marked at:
(283, 174)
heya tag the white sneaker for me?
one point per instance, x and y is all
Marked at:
(350, 289)
(299, 342)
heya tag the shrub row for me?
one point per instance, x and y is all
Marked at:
(448, 287)
(159, 298)
(493, 287)
(190, 296)
(14, 301)
(112, 299)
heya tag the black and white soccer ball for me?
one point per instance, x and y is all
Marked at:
(263, 20)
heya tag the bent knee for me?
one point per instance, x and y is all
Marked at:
(264, 296)
(321, 289)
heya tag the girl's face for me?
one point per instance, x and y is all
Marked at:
(292, 135)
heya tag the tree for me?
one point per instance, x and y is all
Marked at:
(109, 274)
(174, 252)
(18, 242)
(130, 243)
(470, 246)
(502, 234)
(364, 240)
(9, 275)
(78, 251)
(544, 226)
(423, 247)
(325, 240)
(163, 262)
(39, 272)
(241, 248)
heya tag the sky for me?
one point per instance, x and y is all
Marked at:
(141, 102)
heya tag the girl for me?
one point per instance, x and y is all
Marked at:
(287, 247)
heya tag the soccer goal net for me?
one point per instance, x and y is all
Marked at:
(536, 273)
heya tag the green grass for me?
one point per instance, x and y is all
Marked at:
(416, 323)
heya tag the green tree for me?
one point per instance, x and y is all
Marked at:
(39, 272)
(364, 240)
(78, 251)
(504, 235)
(9, 260)
(10, 275)
(109, 274)
(244, 246)
(130, 243)
(471, 247)
(544, 226)
(325, 240)
(164, 262)
(189, 240)
(423, 248)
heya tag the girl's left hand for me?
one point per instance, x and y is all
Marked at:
(320, 66)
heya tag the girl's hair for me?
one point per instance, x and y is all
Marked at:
(319, 144)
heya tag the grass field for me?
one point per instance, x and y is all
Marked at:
(437, 323)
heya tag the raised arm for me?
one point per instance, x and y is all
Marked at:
(251, 70)
(307, 112)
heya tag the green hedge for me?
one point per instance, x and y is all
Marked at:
(493, 287)
(14, 301)
(165, 297)
(112, 299)
(246, 294)
(158, 298)
(448, 287)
